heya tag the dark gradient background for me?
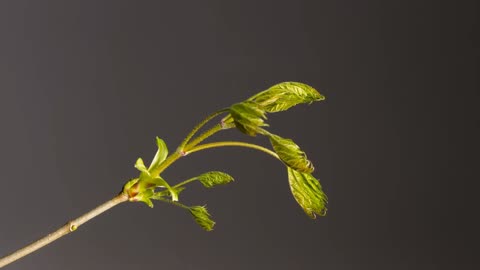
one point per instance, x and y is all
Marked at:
(85, 86)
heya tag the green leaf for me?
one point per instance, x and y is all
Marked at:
(283, 96)
(161, 154)
(291, 154)
(202, 217)
(248, 117)
(214, 178)
(308, 193)
(141, 166)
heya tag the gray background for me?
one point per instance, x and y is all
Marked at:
(85, 86)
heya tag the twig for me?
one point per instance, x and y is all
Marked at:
(62, 231)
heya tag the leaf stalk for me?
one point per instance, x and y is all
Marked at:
(232, 143)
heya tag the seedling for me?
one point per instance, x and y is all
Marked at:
(249, 117)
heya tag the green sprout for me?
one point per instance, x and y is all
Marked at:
(248, 117)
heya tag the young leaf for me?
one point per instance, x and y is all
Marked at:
(161, 154)
(283, 96)
(248, 117)
(202, 217)
(214, 178)
(307, 192)
(141, 166)
(291, 154)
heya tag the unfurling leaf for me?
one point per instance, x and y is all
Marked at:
(202, 217)
(291, 154)
(214, 178)
(161, 154)
(146, 182)
(282, 96)
(308, 193)
(248, 117)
